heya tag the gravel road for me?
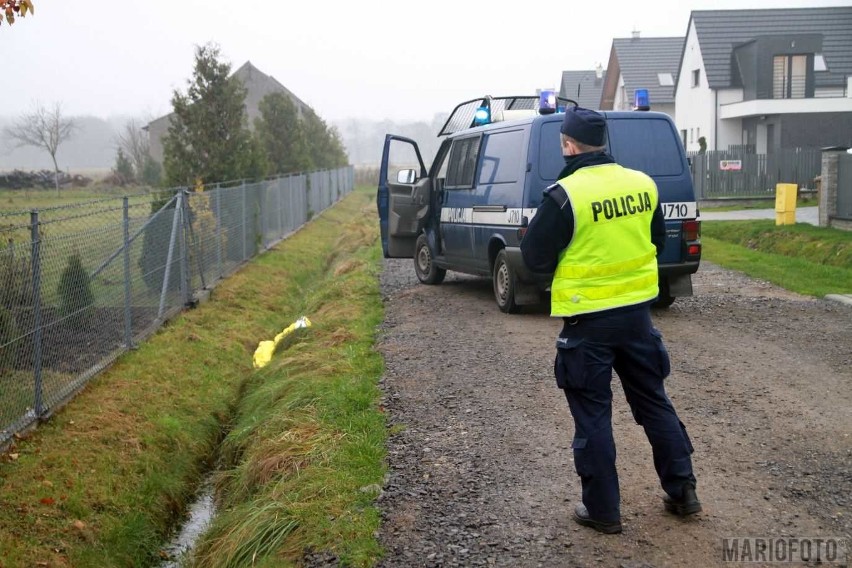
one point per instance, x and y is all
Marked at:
(481, 470)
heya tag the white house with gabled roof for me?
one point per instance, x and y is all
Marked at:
(766, 79)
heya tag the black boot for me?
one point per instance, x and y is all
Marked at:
(581, 516)
(688, 503)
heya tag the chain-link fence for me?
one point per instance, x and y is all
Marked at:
(81, 284)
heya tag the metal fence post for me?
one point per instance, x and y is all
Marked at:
(291, 207)
(37, 330)
(245, 219)
(165, 289)
(128, 335)
(280, 189)
(262, 189)
(218, 233)
(183, 248)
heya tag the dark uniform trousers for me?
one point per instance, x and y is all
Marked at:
(588, 349)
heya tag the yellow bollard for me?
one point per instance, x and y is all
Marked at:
(785, 203)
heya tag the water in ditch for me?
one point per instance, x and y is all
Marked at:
(201, 514)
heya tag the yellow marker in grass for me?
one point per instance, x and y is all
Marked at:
(265, 349)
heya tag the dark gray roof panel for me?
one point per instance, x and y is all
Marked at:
(586, 84)
(643, 59)
(719, 31)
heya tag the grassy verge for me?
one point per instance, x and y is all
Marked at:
(105, 480)
(802, 258)
(739, 205)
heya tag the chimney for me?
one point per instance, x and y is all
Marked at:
(635, 34)
(599, 71)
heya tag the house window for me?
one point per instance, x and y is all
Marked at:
(665, 79)
(789, 74)
(819, 63)
(690, 135)
(683, 137)
(696, 77)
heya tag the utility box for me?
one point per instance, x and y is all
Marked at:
(785, 203)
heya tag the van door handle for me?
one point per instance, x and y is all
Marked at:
(490, 208)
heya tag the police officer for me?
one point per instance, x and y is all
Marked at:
(598, 230)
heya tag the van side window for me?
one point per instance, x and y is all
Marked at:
(502, 153)
(550, 159)
(462, 163)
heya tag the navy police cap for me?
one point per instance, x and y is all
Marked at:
(584, 125)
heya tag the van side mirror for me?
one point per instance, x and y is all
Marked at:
(406, 176)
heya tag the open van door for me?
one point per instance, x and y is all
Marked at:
(404, 196)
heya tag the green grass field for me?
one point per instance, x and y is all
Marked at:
(38, 198)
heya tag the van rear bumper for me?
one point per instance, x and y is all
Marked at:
(543, 280)
(679, 268)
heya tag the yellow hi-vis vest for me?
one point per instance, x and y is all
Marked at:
(610, 261)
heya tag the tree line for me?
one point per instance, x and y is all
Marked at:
(209, 138)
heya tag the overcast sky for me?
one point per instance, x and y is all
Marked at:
(371, 59)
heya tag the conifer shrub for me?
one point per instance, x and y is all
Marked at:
(76, 299)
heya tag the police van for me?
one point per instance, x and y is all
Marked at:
(469, 210)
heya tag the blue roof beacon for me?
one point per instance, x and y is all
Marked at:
(641, 100)
(547, 102)
(482, 116)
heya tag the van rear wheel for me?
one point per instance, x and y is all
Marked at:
(424, 263)
(505, 284)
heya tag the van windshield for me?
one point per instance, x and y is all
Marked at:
(649, 145)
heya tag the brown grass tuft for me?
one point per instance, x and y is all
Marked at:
(347, 266)
(283, 455)
(341, 335)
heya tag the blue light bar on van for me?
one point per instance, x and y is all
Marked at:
(547, 102)
(641, 100)
(482, 115)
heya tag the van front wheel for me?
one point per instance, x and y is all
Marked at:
(424, 263)
(505, 284)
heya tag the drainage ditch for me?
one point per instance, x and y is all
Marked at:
(200, 515)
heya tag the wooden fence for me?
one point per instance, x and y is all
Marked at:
(722, 174)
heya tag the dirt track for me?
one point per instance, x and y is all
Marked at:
(481, 471)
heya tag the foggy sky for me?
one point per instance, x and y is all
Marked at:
(372, 59)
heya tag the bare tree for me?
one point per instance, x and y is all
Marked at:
(43, 128)
(134, 142)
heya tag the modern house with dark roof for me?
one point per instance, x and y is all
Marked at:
(766, 79)
(257, 84)
(642, 63)
(583, 86)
